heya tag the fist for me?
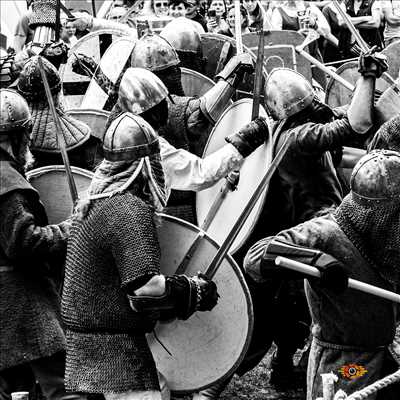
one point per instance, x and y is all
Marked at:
(84, 65)
(372, 63)
(209, 294)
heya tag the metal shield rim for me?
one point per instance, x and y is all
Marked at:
(37, 172)
(197, 74)
(262, 198)
(240, 277)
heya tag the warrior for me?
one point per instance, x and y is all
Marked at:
(32, 341)
(351, 330)
(388, 136)
(114, 290)
(84, 150)
(142, 93)
(190, 119)
(305, 184)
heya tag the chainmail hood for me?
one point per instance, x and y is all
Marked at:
(370, 214)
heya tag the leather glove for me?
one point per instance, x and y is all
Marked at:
(237, 65)
(82, 21)
(333, 275)
(372, 64)
(250, 136)
(43, 13)
(84, 65)
(208, 298)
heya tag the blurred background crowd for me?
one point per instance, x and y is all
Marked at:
(377, 21)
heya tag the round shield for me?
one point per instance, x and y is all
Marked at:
(336, 94)
(51, 183)
(251, 173)
(392, 52)
(208, 346)
(92, 45)
(387, 107)
(194, 83)
(217, 51)
(111, 64)
(279, 50)
(95, 119)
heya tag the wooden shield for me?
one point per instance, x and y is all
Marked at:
(194, 83)
(95, 119)
(279, 51)
(392, 52)
(93, 45)
(208, 346)
(251, 173)
(51, 183)
(112, 64)
(336, 94)
(218, 50)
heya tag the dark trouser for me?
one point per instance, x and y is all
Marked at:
(47, 371)
(280, 315)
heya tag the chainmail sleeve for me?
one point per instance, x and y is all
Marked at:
(198, 127)
(132, 239)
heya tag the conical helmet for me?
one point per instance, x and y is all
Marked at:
(154, 53)
(14, 111)
(129, 138)
(376, 178)
(286, 93)
(140, 90)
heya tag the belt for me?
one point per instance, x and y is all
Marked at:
(6, 268)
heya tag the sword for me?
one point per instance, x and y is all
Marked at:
(223, 250)
(364, 46)
(60, 137)
(258, 77)
(311, 36)
(353, 283)
(238, 29)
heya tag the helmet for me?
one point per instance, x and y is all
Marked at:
(140, 90)
(376, 178)
(287, 92)
(14, 111)
(30, 83)
(182, 35)
(129, 138)
(154, 53)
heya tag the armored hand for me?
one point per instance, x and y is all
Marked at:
(250, 136)
(183, 296)
(236, 67)
(372, 63)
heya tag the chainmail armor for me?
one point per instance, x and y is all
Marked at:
(375, 231)
(112, 247)
(44, 13)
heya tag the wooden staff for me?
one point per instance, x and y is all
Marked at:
(60, 136)
(353, 284)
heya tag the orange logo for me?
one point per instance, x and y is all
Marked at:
(352, 371)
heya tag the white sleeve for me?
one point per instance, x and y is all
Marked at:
(186, 171)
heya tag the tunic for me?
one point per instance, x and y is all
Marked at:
(30, 254)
